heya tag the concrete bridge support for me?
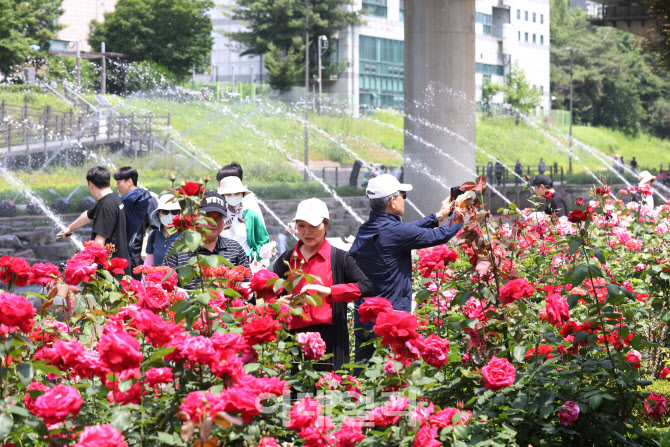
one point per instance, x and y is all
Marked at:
(440, 92)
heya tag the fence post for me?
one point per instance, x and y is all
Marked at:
(2, 110)
(561, 174)
(323, 174)
(337, 176)
(132, 131)
(150, 143)
(9, 139)
(168, 128)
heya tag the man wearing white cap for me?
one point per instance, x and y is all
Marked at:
(384, 244)
(644, 195)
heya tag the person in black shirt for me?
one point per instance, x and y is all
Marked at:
(554, 206)
(108, 215)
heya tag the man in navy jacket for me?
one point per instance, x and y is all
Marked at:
(384, 244)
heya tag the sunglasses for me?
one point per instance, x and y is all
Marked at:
(403, 194)
(173, 212)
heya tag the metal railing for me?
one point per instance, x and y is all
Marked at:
(506, 178)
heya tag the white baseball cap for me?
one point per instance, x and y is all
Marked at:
(312, 211)
(166, 202)
(384, 185)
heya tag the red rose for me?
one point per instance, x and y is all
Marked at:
(198, 405)
(577, 216)
(435, 259)
(14, 270)
(159, 277)
(665, 372)
(117, 266)
(28, 401)
(349, 433)
(16, 311)
(634, 358)
(549, 195)
(190, 189)
(580, 201)
(119, 351)
(304, 414)
(259, 284)
(43, 274)
(372, 307)
(158, 375)
(98, 252)
(154, 298)
(498, 374)
(514, 290)
(55, 405)
(101, 436)
(183, 223)
(241, 401)
(157, 331)
(65, 354)
(656, 405)
(558, 311)
(80, 268)
(427, 436)
(396, 327)
(261, 330)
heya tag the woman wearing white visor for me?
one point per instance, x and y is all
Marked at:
(242, 225)
(341, 280)
(161, 240)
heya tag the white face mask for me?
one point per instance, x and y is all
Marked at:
(166, 219)
(234, 199)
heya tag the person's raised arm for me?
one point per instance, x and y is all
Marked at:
(80, 221)
(435, 219)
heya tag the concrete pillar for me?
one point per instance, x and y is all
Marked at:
(439, 89)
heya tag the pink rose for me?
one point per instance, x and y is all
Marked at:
(43, 274)
(557, 309)
(640, 267)
(312, 345)
(434, 351)
(154, 298)
(349, 433)
(304, 414)
(79, 268)
(55, 405)
(568, 413)
(101, 436)
(16, 311)
(426, 437)
(634, 358)
(656, 405)
(498, 374)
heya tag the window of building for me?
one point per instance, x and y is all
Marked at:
(534, 17)
(526, 15)
(542, 89)
(518, 14)
(534, 38)
(526, 35)
(485, 20)
(377, 8)
(541, 40)
(519, 36)
(381, 72)
(488, 69)
(402, 10)
(542, 19)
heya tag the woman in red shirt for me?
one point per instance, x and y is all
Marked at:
(341, 280)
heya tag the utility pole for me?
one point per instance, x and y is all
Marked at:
(306, 89)
(571, 50)
(323, 46)
(103, 73)
(193, 78)
(78, 68)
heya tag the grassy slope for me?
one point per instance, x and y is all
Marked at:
(225, 133)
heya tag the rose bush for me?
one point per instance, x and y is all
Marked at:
(529, 330)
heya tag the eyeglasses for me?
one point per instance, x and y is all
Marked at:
(403, 194)
(173, 212)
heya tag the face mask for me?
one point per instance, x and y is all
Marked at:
(166, 219)
(234, 200)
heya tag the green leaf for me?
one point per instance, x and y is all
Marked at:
(48, 369)
(519, 353)
(6, 425)
(251, 367)
(185, 273)
(20, 411)
(595, 401)
(573, 300)
(120, 419)
(125, 385)
(25, 372)
(192, 239)
(600, 256)
(203, 298)
(574, 246)
(595, 270)
(464, 298)
(613, 289)
(578, 274)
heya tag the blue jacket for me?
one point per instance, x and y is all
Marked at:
(136, 203)
(383, 251)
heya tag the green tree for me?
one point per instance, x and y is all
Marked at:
(26, 30)
(171, 33)
(657, 40)
(520, 96)
(284, 70)
(489, 90)
(280, 25)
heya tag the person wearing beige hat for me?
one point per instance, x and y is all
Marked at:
(242, 225)
(341, 281)
(161, 239)
(644, 195)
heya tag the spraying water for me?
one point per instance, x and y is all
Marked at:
(23, 188)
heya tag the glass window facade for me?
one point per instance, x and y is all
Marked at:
(534, 38)
(485, 20)
(488, 69)
(542, 19)
(402, 10)
(526, 35)
(378, 8)
(518, 14)
(534, 17)
(381, 72)
(526, 15)
(541, 40)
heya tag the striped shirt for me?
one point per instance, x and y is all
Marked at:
(225, 247)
